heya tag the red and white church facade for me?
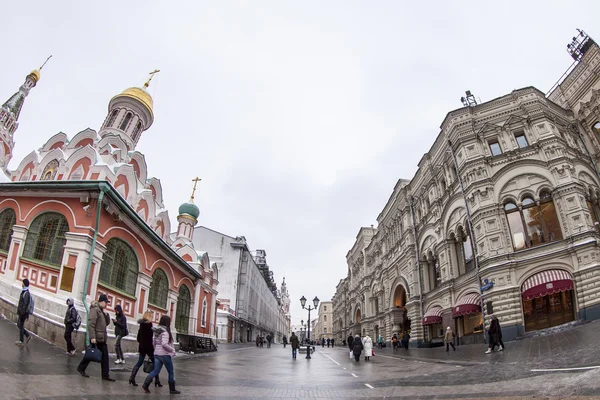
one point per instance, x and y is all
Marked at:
(81, 217)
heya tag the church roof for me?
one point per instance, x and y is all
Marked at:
(15, 104)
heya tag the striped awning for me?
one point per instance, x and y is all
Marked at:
(467, 304)
(547, 282)
(433, 316)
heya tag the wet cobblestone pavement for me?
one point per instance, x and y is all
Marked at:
(42, 371)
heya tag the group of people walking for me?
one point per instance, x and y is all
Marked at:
(327, 342)
(358, 345)
(260, 340)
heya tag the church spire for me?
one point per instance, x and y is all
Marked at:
(9, 115)
(188, 216)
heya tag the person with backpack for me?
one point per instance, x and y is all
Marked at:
(24, 309)
(120, 323)
(163, 354)
(72, 323)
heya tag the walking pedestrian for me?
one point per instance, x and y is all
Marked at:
(349, 342)
(332, 342)
(395, 342)
(295, 344)
(368, 347)
(269, 338)
(449, 339)
(285, 341)
(98, 320)
(405, 340)
(357, 347)
(23, 309)
(494, 336)
(323, 342)
(163, 354)
(328, 342)
(380, 342)
(145, 348)
(120, 322)
(70, 320)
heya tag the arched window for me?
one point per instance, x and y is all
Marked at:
(8, 219)
(596, 128)
(464, 250)
(204, 312)
(159, 289)
(126, 121)
(112, 118)
(119, 268)
(184, 302)
(136, 131)
(46, 238)
(534, 223)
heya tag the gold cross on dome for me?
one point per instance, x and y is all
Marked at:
(195, 180)
(151, 76)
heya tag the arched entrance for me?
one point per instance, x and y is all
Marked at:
(400, 321)
(548, 299)
(357, 317)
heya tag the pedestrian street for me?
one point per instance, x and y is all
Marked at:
(243, 371)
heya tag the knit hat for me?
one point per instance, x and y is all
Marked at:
(26, 282)
(103, 297)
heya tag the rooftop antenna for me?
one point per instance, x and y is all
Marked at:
(579, 45)
(469, 100)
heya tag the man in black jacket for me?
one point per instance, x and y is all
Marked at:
(23, 313)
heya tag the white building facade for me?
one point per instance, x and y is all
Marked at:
(514, 233)
(249, 304)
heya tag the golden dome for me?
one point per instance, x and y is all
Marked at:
(35, 75)
(140, 95)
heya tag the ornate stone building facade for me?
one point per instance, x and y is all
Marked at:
(519, 240)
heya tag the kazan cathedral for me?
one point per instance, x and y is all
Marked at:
(81, 217)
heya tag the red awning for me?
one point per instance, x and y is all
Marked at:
(433, 316)
(547, 282)
(468, 304)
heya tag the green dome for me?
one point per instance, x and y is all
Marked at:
(189, 209)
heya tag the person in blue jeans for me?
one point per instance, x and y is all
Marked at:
(163, 353)
(295, 344)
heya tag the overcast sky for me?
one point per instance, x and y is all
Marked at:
(298, 116)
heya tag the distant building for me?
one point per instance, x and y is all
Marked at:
(250, 303)
(324, 327)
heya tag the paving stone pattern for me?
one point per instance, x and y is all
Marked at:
(42, 371)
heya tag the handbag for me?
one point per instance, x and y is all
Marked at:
(148, 365)
(373, 353)
(92, 354)
(351, 354)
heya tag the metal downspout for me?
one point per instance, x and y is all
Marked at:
(418, 264)
(90, 259)
(471, 233)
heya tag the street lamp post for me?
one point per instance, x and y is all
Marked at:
(309, 308)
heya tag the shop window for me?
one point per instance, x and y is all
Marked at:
(495, 148)
(521, 139)
(119, 268)
(8, 219)
(159, 289)
(46, 238)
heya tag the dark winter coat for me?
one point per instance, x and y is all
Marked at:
(494, 332)
(350, 341)
(120, 322)
(98, 321)
(294, 342)
(23, 307)
(357, 346)
(71, 314)
(144, 337)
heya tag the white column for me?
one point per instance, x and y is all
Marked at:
(172, 306)
(16, 246)
(196, 307)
